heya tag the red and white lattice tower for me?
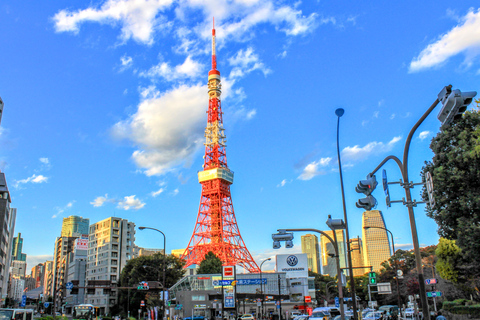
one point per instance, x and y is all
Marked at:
(216, 229)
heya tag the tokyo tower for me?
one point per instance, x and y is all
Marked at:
(216, 228)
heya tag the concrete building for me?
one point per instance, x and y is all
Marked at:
(8, 259)
(17, 248)
(110, 246)
(376, 246)
(357, 257)
(19, 268)
(75, 226)
(63, 246)
(17, 285)
(76, 273)
(139, 251)
(38, 274)
(329, 263)
(47, 279)
(311, 247)
(6, 228)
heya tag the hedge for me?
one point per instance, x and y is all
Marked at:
(458, 307)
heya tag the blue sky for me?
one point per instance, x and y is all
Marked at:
(105, 109)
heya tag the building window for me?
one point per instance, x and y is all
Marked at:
(198, 298)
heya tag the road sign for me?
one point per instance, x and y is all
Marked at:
(24, 301)
(385, 188)
(308, 299)
(142, 303)
(69, 285)
(430, 281)
(434, 294)
(337, 302)
(372, 304)
(46, 304)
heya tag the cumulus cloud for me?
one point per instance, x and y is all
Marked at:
(138, 18)
(126, 62)
(127, 203)
(423, 135)
(33, 179)
(312, 169)
(359, 153)
(465, 37)
(32, 261)
(166, 129)
(246, 61)
(188, 69)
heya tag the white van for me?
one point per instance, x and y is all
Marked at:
(16, 314)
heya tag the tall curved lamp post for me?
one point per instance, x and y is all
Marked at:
(164, 264)
(261, 285)
(396, 263)
(339, 112)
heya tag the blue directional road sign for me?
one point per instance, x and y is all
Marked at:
(46, 304)
(337, 302)
(24, 301)
(69, 285)
(431, 281)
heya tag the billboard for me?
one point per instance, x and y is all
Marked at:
(81, 244)
(294, 265)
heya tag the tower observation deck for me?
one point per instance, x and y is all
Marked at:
(216, 228)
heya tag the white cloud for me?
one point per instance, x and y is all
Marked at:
(61, 210)
(283, 183)
(126, 62)
(465, 37)
(167, 128)
(157, 193)
(175, 192)
(312, 169)
(375, 114)
(392, 116)
(139, 18)
(188, 69)
(244, 62)
(360, 153)
(32, 261)
(130, 202)
(127, 203)
(423, 135)
(44, 160)
(33, 179)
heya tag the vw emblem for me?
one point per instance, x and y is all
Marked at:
(292, 260)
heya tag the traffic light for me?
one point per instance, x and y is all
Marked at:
(454, 104)
(366, 187)
(282, 235)
(372, 278)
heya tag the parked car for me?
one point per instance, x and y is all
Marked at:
(347, 317)
(320, 314)
(301, 317)
(373, 315)
(247, 316)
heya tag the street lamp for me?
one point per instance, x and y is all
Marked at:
(164, 263)
(282, 235)
(339, 112)
(261, 285)
(396, 263)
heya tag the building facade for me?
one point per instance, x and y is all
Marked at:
(5, 231)
(329, 262)
(8, 259)
(38, 274)
(357, 257)
(376, 246)
(47, 279)
(311, 247)
(75, 226)
(17, 248)
(110, 247)
(76, 273)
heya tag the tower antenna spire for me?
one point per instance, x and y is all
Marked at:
(214, 55)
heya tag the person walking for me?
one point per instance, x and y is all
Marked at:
(440, 316)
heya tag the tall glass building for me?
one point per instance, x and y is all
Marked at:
(329, 264)
(376, 246)
(17, 249)
(75, 226)
(312, 249)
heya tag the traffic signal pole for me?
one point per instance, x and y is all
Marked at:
(407, 185)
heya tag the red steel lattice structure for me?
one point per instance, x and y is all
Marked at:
(216, 228)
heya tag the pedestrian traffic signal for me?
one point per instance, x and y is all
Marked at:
(366, 187)
(372, 278)
(454, 104)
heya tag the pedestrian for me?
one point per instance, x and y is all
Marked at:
(440, 316)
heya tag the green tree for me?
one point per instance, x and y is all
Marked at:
(210, 264)
(448, 254)
(149, 269)
(321, 282)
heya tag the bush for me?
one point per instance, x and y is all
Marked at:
(460, 306)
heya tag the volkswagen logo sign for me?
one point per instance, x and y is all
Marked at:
(292, 260)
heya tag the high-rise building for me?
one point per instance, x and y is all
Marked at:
(76, 274)
(75, 226)
(216, 229)
(6, 228)
(63, 245)
(17, 249)
(8, 259)
(329, 262)
(47, 279)
(311, 247)
(38, 273)
(376, 247)
(357, 257)
(110, 246)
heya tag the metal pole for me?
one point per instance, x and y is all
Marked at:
(339, 274)
(262, 312)
(339, 112)
(342, 312)
(279, 299)
(164, 266)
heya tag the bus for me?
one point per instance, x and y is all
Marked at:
(16, 314)
(84, 312)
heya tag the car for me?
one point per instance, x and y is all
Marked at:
(347, 317)
(373, 315)
(247, 316)
(320, 314)
(366, 310)
(301, 317)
